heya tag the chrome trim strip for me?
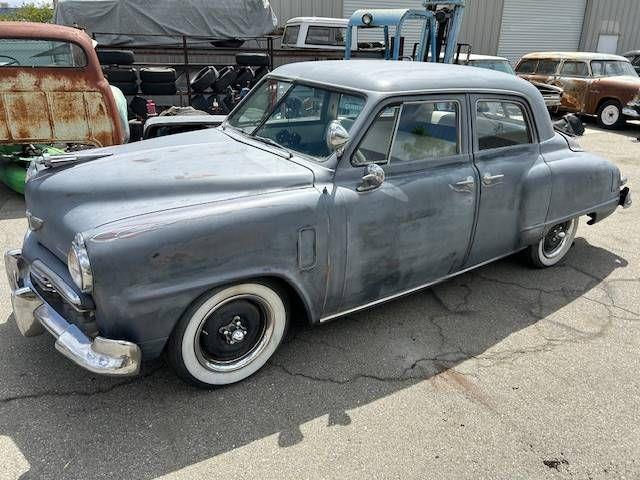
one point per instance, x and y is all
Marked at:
(412, 290)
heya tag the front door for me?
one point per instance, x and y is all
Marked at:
(415, 227)
(511, 168)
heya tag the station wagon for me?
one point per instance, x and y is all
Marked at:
(334, 186)
(599, 84)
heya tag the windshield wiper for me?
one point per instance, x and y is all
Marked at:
(272, 142)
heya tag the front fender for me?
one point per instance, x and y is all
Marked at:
(149, 269)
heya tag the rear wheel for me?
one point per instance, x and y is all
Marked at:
(228, 334)
(554, 246)
(610, 115)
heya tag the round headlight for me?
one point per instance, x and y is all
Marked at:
(79, 266)
(367, 18)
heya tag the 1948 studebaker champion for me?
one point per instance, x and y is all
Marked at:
(333, 186)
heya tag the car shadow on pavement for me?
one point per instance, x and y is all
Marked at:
(67, 423)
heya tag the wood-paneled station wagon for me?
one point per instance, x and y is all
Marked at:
(332, 187)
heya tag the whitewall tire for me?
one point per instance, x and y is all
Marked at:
(555, 245)
(228, 334)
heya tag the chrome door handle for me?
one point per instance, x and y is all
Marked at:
(465, 185)
(489, 179)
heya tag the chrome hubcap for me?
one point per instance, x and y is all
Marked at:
(610, 115)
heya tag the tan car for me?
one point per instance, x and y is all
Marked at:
(599, 84)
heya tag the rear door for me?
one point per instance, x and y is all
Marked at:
(514, 178)
(574, 79)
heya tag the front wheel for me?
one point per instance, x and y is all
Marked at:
(554, 246)
(610, 115)
(228, 334)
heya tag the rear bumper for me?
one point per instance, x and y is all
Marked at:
(625, 198)
(33, 316)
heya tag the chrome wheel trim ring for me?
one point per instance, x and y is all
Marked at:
(610, 115)
(236, 364)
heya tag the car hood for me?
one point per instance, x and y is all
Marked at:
(160, 174)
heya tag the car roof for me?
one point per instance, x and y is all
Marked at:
(322, 20)
(573, 56)
(387, 76)
(477, 56)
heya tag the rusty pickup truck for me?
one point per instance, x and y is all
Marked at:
(53, 97)
(599, 84)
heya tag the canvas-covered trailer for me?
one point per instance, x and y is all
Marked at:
(220, 19)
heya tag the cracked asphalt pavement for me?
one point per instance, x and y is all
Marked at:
(503, 372)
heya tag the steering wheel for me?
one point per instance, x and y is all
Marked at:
(12, 61)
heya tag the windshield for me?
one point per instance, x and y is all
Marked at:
(498, 65)
(294, 115)
(612, 68)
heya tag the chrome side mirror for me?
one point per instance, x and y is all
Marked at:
(336, 137)
(373, 177)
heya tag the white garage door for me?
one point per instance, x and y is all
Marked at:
(540, 25)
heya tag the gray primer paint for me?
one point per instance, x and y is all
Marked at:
(169, 219)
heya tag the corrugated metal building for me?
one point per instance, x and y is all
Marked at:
(512, 28)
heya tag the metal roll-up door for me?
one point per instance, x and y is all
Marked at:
(540, 25)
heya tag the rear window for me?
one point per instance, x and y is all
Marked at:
(330, 36)
(34, 53)
(290, 35)
(612, 68)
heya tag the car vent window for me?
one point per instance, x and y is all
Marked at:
(501, 124)
(375, 146)
(426, 130)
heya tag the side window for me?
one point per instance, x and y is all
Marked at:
(290, 36)
(547, 67)
(501, 123)
(575, 69)
(528, 66)
(332, 36)
(426, 130)
(375, 146)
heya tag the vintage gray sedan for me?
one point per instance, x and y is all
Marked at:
(334, 186)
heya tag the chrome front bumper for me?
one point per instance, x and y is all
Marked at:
(33, 316)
